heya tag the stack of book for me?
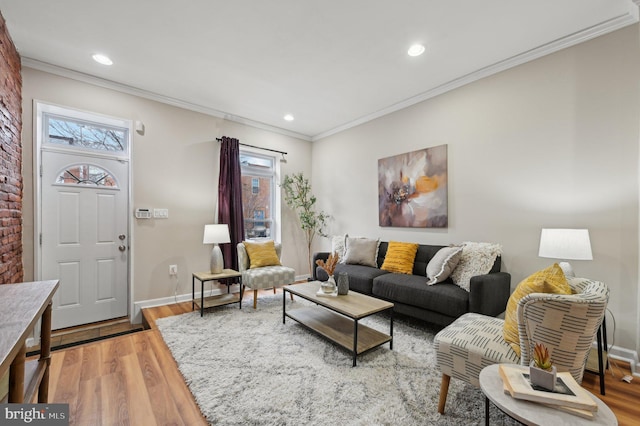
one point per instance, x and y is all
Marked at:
(567, 395)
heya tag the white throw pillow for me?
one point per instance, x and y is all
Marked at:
(362, 251)
(442, 264)
(476, 259)
(339, 246)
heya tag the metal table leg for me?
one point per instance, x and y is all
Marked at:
(355, 341)
(201, 298)
(486, 411)
(284, 303)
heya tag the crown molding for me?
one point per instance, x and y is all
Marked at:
(551, 47)
(123, 88)
(631, 17)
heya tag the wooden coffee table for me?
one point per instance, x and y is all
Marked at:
(336, 317)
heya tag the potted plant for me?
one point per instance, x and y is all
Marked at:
(542, 372)
(298, 196)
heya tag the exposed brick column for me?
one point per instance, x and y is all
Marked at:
(11, 270)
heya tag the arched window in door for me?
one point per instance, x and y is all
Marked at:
(86, 174)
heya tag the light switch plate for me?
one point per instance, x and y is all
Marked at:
(161, 213)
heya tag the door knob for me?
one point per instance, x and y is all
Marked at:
(121, 247)
(122, 237)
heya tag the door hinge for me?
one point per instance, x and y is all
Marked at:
(40, 170)
(41, 238)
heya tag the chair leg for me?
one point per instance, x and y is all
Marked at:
(274, 289)
(241, 293)
(255, 298)
(444, 389)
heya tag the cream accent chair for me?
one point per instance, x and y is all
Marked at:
(566, 324)
(265, 277)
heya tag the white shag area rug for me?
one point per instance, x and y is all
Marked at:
(245, 367)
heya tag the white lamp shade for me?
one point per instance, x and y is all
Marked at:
(566, 244)
(216, 234)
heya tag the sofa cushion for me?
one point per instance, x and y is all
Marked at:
(262, 254)
(442, 264)
(339, 246)
(549, 280)
(476, 259)
(423, 256)
(445, 298)
(361, 251)
(360, 277)
(400, 257)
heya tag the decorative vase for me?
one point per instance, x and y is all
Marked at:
(544, 378)
(343, 283)
(329, 286)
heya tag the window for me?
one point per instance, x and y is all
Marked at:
(76, 133)
(86, 174)
(259, 193)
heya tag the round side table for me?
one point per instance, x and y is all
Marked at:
(533, 413)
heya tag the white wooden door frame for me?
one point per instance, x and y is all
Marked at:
(39, 108)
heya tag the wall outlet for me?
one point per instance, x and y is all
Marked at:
(173, 270)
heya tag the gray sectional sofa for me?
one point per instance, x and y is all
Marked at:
(440, 303)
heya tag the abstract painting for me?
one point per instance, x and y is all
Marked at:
(412, 189)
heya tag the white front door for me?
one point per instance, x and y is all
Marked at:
(84, 236)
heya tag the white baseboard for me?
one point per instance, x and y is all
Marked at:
(136, 317)
(626, 355)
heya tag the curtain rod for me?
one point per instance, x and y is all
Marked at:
(257, 147)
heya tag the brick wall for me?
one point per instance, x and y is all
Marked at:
(10, 160)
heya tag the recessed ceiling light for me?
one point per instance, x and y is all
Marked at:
(102, 59)
(288, 117)
(416, 50)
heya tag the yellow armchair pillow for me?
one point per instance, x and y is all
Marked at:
(262, 254)
(400, 257)
(549, 280)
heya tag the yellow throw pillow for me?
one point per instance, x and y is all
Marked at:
(549, 280)
(261, 254)
(400, 257)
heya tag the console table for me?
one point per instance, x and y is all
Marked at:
(21, 306)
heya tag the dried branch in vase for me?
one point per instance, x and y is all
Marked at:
(330, 265)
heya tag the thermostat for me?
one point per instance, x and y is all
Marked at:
(143, 214)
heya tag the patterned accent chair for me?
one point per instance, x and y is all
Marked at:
(265, 277)
(566, 324)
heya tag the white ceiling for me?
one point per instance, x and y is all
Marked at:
(332, 64)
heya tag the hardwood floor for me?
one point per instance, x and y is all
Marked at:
(126, 380)
(134, 380)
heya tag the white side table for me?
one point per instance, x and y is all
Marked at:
(532, 413)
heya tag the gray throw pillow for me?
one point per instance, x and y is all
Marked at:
(442, 264)
(361, 251)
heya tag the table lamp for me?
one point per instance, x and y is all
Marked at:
(216, 234)
(565, 244)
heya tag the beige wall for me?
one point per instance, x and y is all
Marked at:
(552, 143)
(175, 166)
